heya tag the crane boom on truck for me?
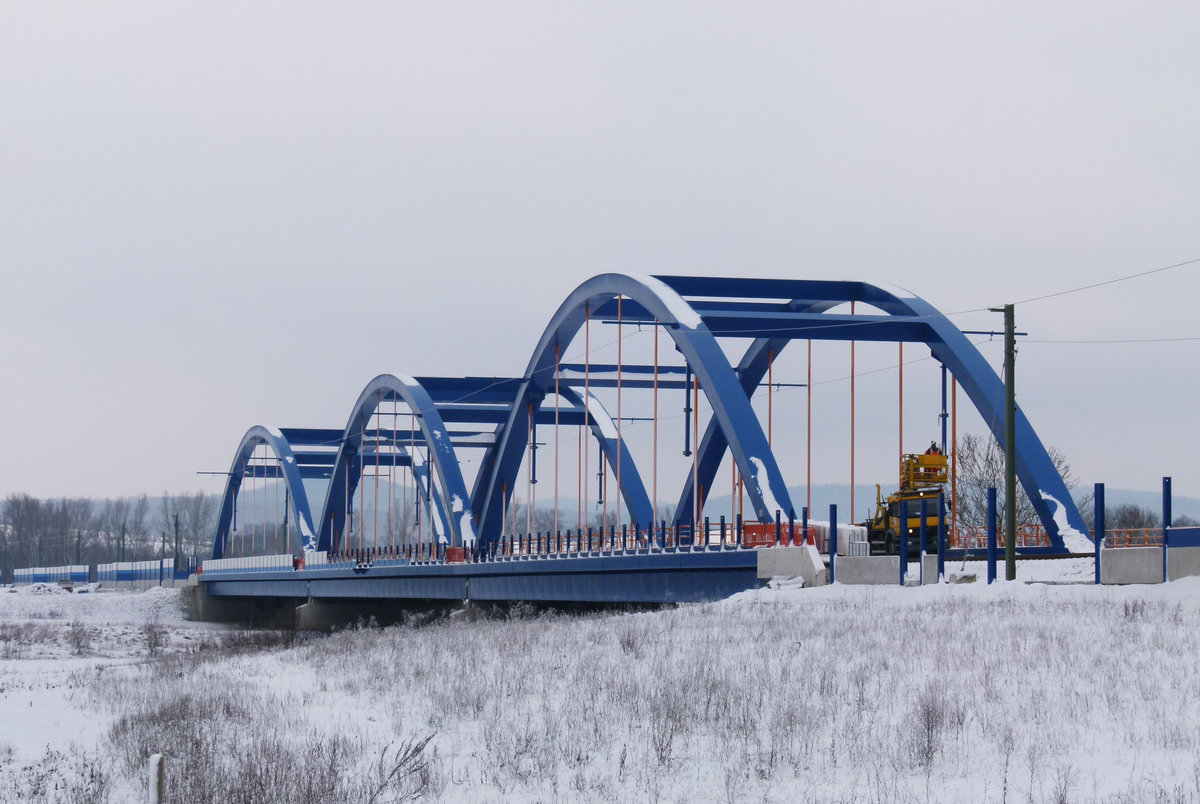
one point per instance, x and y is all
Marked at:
(922, 477)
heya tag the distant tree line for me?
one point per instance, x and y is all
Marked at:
(981, 465)
(51, 532)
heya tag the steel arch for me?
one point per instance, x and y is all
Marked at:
(731, 407)
(291, 477)
(718, 307)
(1040, 479)
(447, 488)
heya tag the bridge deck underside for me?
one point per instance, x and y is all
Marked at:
(652, 578)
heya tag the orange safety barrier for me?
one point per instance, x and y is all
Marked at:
(1133, 537)
(456, 555)
(757, 534)
(976, 538)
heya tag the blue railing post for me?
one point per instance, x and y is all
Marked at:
(705, 533)
(1098, 499)
(941, 563)
(804, 525)
(791, 539)
(991, 534)
(1166, 523)
(832, 542)
(778, 528)
(722, 531)
(738, 525)
(902, 527)
(924, 536)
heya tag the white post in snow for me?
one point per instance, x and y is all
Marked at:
(154, 779)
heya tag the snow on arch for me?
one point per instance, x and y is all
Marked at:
(679, 309)
(1073, 540)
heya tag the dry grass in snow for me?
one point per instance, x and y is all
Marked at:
(1012, 692)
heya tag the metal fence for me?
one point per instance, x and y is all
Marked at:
(118, 574)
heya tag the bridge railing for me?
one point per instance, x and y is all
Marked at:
(1133, 537)
(1036, 536)
(972, 538)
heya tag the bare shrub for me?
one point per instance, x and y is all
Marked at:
(154, 636)
(632, 634)
(401, 772)
(667, 715)
(1064, 784)
(79, 636)
(1008, 743)
(521, 611)
(255, 641)
(929, 724)
(58, 778)
(1135, 609)
(16, 639)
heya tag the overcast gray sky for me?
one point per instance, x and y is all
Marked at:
(214, 215)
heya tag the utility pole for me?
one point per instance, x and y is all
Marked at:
(176, 518)
(1010, 442)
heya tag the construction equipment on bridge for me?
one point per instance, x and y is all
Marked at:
(922, 477)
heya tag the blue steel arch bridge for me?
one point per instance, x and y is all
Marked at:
(305, 501)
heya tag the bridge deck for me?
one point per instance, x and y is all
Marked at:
(634, 577)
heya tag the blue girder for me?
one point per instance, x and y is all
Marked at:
(1041, 481)
(292, 476)
(694, 311)
(449, 491)
(731, 408)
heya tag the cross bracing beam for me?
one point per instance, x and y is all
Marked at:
(274, 472)
(613, 368)
(316, 472)
(316, 458)
(594, 382)
(371, 459)
(374, 440)
(636, 314)
(826, 327)
(489, 414)
(598, 375)
(484, 390)
(474, 414)
(793, 291)
(312, 436)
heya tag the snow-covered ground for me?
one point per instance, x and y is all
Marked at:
(1010, 692)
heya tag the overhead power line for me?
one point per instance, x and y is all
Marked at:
(1110, 281)
(1115, 340)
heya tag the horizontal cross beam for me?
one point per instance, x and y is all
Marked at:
(825, 326)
